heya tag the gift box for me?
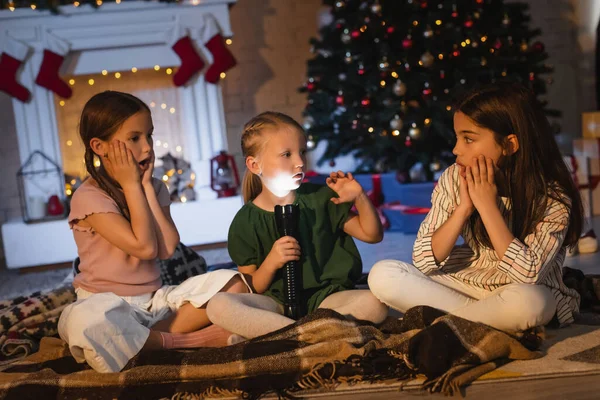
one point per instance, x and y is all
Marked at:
(404, 218)
(587, 147)
(590, 124)
(405, 204)
(581, 171)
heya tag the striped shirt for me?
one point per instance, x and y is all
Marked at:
(536, 260)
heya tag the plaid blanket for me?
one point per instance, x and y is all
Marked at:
(25, 320)
(320, 351)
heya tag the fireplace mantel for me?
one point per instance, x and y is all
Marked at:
(117, 37)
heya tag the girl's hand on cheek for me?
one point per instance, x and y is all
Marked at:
(147, 177)
(121, 165)
(481, 183)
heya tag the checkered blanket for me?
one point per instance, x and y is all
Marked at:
(24, 321)
(320, 351)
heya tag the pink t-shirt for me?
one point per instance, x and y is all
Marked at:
(104, 267)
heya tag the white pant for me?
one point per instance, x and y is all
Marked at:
(107, 330)
(511, 308)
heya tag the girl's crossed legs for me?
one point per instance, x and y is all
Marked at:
(511, 308)
(253, 315)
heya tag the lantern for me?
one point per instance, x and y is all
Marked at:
(41, 189)
(224, 178)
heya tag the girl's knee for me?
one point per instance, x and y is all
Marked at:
(385, 277)
(535, 304)
(378, 311)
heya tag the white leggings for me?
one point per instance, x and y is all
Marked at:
(510, 308)
(252, 315)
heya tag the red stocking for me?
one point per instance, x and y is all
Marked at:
(11, 59)
(222, 58)
(8, 79)
(48, 75)
(191, 62)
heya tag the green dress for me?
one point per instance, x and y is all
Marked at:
(330, 260)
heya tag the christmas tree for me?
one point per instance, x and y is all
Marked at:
(384, 74)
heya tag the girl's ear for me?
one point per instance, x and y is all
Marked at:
(253, 165)
(100, 147)
(511, 144)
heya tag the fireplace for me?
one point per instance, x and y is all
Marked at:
(117, 46)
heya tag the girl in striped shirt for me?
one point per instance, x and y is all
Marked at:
(511, 198)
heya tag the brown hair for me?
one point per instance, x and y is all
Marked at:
(252, 145)
(536, 172)
(102, 116)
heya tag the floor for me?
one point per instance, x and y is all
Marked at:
(395, 245)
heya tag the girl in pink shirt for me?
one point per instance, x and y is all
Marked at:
(121, 223)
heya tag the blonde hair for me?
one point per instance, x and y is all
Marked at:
(253, 142)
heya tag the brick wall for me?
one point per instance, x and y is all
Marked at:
(271, 46)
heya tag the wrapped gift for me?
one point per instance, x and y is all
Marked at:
(581, 173)
(590, 124)
(587, 147)
(404, 218)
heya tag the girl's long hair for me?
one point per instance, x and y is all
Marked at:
(253, 140)
(536, 172)
(102, 116)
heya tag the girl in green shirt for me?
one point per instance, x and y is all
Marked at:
(274, 146)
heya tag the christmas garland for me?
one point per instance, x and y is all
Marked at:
(52, 5)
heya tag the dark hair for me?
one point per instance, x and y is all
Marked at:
(252, 146)
(536, 172)
(102, 116)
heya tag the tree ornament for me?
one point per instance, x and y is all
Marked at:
(538, 47)
(396, 123)
(339, 99)
(468, 23)
(310, 143)
(399, 88)
(355, 34)
(427, 59)
(348, 59)
(390, 29)
(308, 122)
(342, 77)
(384, 65)
(435, 166)
(498, 44)
(332, 163)
(414, 132)
(346, 39)
(407, 42)
(376, 8)
(407, 142)
(524, 46)
(483, 61)
(366, 102)
(339, 5)
(428, 32)
(506, 21)
(361, 69)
